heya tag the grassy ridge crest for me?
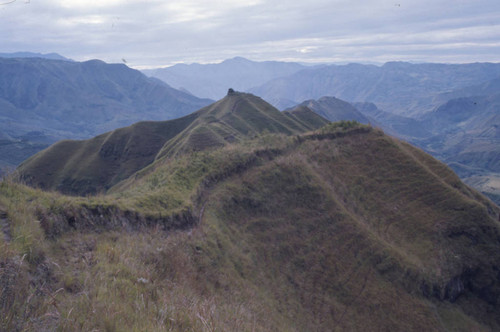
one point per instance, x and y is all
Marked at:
(95, 165)
(343, 228)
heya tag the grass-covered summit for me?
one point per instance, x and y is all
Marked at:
(90, 166)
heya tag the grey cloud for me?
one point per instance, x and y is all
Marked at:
(156, 33)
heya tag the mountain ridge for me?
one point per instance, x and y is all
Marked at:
(83, 167)
(399, 87)
(50, 56)
(212, 80)
(93, 91)
(342, 227)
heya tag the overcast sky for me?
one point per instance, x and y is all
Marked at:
(155, 33)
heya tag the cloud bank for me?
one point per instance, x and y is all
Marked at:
(152, 33)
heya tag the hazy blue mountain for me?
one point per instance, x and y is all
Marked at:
(63, 99)
(393, 124)
(82, 99)
(467, 131)
(282, 104)
(475, 114)
(487, 88)
(213, 80)
(396, 87)
(333, 109)
(50, 56)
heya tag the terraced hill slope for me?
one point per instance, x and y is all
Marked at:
(82, 167)
(341, 229)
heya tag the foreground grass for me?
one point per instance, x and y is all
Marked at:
(342, 229)
(145, 280)
(60, 277)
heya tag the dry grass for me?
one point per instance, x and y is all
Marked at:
(322, 232)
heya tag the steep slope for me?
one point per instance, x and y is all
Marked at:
(212, 80)
(340, 229)
(82, 167)
(235, 117)
(90, 166)
(396, 87)
(334, 109)
(371, 243)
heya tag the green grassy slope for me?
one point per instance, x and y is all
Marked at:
(94, 165)
(236, 117)
(306, 117)
(90, 166)
(341, 229)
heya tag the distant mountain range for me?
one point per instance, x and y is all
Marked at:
(50, 56)
(396, 87)
(397, 125)
(62, 99)
(82, 99)
(213, 80)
